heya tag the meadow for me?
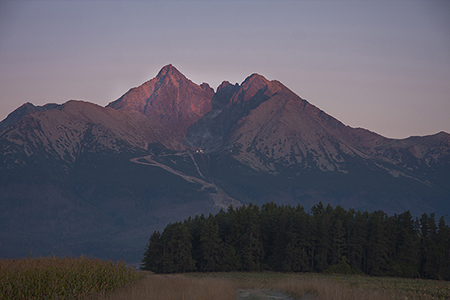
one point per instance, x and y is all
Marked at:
(337, 287)
(86, 278)
(224, 286)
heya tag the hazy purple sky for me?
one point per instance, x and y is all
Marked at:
(380, 65)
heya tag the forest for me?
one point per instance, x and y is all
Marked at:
(289, 239)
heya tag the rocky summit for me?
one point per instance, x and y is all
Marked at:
(80, 178)
(170, 98)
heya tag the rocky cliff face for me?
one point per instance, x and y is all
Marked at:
(80, 178)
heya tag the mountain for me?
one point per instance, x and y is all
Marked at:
(170, 98)
(81, 178)
(300, 154)
(17, 114)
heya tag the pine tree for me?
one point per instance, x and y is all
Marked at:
(230, 259)
(152, 254)
(429, 247)
(182, 249)
(210, 243)
(269, 225)
(176, 249)
(298, 248)
(406, 259)
(296, 256)
(166, 262)
(390, 238)
(322, 226)
(281, 225)
(377, 251)
(224, 221)
(195, 225)
(443, 250)
(352, 246)
(251, 251)
(338, 242)
(249, 241)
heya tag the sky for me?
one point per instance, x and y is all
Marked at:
(379, 65)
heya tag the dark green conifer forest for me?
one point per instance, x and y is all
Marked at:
(288, 239)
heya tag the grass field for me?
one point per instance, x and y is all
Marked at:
(224, 286)
(83, 278)
(339, 286)
(62, 278)
(176, 287)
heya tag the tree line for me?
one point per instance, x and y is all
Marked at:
(286, 238)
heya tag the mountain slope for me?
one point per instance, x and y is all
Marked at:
(68, 185)
(80, 178)
(270, 124)
(17, 114)
(264, 123)
(63, 133)
(282, 148)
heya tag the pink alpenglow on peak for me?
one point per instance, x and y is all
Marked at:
(169, 98)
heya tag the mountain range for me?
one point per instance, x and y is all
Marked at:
(81, 178)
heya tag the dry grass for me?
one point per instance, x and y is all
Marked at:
(336, 287)
(61, 278)
(317, 288)
(324, 289)
(83, 278)
(220, 286)
(177, 287)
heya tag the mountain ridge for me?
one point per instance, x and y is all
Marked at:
(169, 149)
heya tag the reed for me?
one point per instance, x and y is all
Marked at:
(61, 278)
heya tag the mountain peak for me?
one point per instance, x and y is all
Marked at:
(222, 85)
(251, 85)
(255, 78)
(170, 98)
(168, 70)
